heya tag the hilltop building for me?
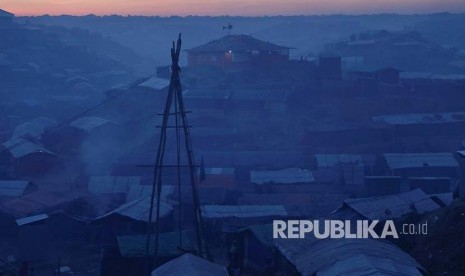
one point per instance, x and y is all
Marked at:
(237, 50)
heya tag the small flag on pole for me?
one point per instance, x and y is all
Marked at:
(228, 27)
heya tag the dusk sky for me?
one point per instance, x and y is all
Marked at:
(227, 7)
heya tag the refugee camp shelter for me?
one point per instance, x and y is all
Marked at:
(130, 258)
(330, 67)
(311, 205)
(264, 181)
(257, 244)
(346, 170)
(107, 185)
(227, 218)
(132, 217)
(424, 124)
(237, 49)
(6, 18)
(382, 185)
(431, 185)
(311, 256)
(189, 264)
(14, 188)
(219, 177)
(34, 236)
(387, 207)
(442, 164)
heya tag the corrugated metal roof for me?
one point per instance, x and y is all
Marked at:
(273, 95)
(285, 176)
(19, 147)
(392, 206)
(134, 246)
(212, 195)
(243, 211)
(33, 203)
(213, 131)
(215, 171)
(156, 83)
(139, 209)
(420, 160)
(330, 160)
(448, 76)
(31, 219)
(189, 264)
(444, 198)
(34, 128)
(237, 43)
(5, 13)
(309, 205)
(138, 191)
(347, 257)
(218, 94)
(421, 118)
(369, 265)
(13, 188)
(112, 184)
(415, 75)
(262, 232)
(89, 123)
(278, 159)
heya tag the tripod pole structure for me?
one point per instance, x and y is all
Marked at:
(174, 93)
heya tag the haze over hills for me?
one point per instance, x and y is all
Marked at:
(342, 116)
(307, 34)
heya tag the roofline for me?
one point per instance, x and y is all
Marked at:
(6, 13)
(203, 51)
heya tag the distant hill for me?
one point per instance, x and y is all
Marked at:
(150, 36)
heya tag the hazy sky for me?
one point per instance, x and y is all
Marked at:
(227, 7)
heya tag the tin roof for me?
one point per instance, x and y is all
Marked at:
(33, 203)
(310, 205)
(278, 159)
(444, 199)
(139, 209)
(19, 147)
(285, 176)
(137, 191)
(134, 246)
(31, 219)
(112, 184)
(415, 75)
(420, 160)
(237, 43)
(273, 95)
(421, 118)
(5, 13)
(392, 206)
(213, 131)
(330, 160)
(213, 93)
(348, 257)
(189, 264)
(262, 232)
(156, 83)
(34, 128)
(216, 171)
(13, 188)
(242, 211)
(89, 123)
